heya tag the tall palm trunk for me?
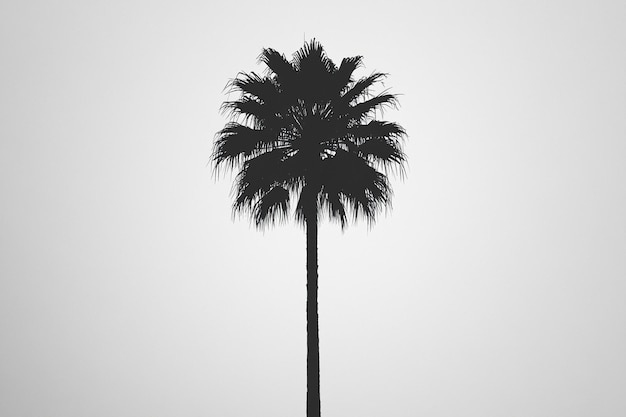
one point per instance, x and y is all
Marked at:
(312, 341)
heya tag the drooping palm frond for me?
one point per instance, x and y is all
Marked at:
(381, 144)
(360, 112)
(307, 129)
(271, 206)
(351, 185)
(361, 87)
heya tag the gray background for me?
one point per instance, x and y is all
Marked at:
(496, 286)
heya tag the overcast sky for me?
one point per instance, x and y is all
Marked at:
(495, 287)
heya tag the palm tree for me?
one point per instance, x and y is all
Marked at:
(306, 131)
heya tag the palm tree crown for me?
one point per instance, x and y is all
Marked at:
(306, 130)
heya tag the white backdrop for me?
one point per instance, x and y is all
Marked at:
(495, 287)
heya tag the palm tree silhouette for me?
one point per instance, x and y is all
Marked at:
(306, 130)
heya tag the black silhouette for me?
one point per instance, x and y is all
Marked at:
(307, 130)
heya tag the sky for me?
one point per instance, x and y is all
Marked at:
(495, 286)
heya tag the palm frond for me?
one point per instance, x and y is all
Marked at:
(313, 57)
(376, 129)
(384, 152)
(315, 74)
(271, 206)
(361, 111)
(236, 142)
(276, 63)
(335, 207)
(343, 75)
(379, 143)
(361, 87)
(250, 110)
(257, 176)
(354, 182)
(262, 88)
